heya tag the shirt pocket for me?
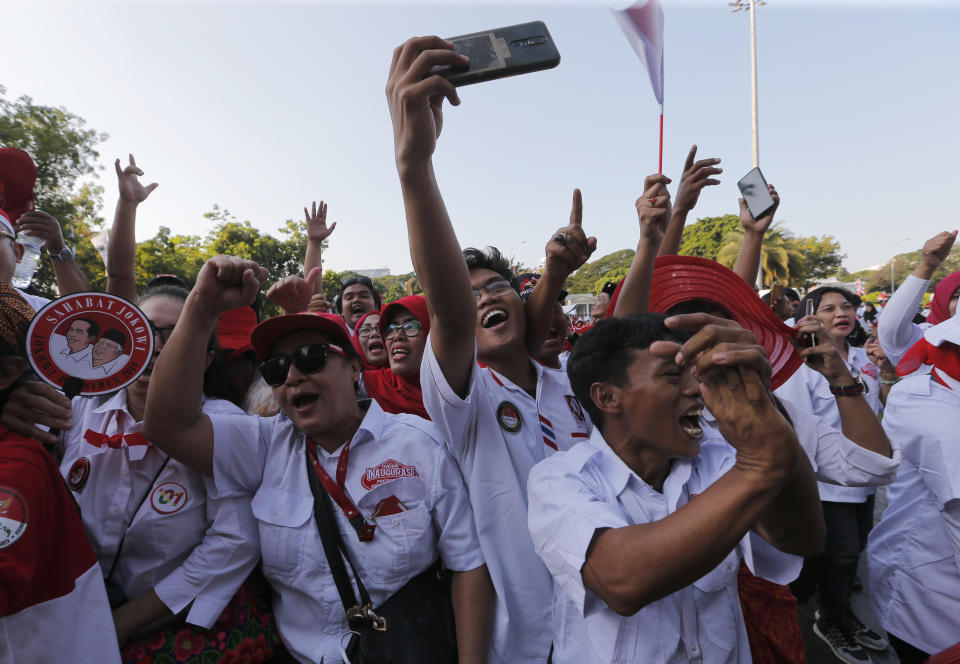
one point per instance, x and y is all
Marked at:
(716, 594)
(405, 542)
(283, 519)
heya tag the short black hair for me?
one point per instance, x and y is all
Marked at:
(604, 353)
(792, 294)
(93, 329)
(363, 281)
(488, 259)
(699, 305)
(817, 294)
(115, 335)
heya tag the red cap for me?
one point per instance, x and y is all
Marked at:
(233, 330)
(18, 174)
(679, 279)
(415, 304)
(267, 333)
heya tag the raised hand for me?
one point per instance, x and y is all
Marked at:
(293, 293)
(653, 208)
(760, 225)
(317, 229)
(936, 249)
(32, 403)
(44, 226)
(570, 248)
(696, 176)
(415, 98)
(130, 188)
(227, 282)
(318, 304)
(825, 356)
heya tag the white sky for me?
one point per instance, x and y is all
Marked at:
(263, 107)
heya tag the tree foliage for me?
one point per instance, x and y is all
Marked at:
(65, 151)
(591, 277)
(705, 237)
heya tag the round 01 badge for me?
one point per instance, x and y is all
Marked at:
(89, 343)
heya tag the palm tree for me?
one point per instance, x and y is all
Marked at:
(780, 256)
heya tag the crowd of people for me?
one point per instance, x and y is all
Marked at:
(467, 474)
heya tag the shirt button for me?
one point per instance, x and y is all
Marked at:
(693, 648)
(396, 522)
(114, 510)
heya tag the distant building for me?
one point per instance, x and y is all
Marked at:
(375, 273)
(583, 301)
(100, 242)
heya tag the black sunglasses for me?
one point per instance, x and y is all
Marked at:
(161, 334)
(350, 281)
(307, 359)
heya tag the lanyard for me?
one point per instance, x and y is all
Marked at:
(337, 490)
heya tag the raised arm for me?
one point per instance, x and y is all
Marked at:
(696, 176)
(568, 249)
(748, 261)
(317, 232)
(173, 420)
(293, 294)
(45, 226)
(122, 248)
(415, 100)
(896, 330)
(653, 209)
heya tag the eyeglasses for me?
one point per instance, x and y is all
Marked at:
(350, 281)
(307, 359)
(365, 331)
(161, 334)
(411, 328)
(493, 287)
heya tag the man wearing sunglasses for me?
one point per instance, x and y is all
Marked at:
(397, 497)
(502, 416)
(357, 297)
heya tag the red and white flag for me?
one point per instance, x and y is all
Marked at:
(642, 23)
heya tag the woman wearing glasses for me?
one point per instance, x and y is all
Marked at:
(170, 553)
(368, 342)
(404, 325)
(398, 500)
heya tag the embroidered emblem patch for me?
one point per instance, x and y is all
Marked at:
(13, 516)
(509, 417)
(391, 469)
(168, 498)
(79, 473)
(871, 370)
(575, 408)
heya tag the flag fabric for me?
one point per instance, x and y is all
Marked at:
(642, 23)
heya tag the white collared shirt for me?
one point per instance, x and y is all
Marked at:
(914, 552)
(73, 363)
(398, 456)
(497, 434)
(813, 408)
(896, 330)
(185, 545)
(575, 493)
(107, 368)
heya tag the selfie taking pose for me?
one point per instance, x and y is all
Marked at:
(327, 468)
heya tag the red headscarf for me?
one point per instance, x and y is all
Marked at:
(394, 393)
(355, 340)
(940, 306)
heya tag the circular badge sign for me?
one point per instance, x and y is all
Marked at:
(509, 417)
(89, 343)
(13, 516)
(79, 474)
(168, 497)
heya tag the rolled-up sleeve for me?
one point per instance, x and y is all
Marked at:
(217, 567)
(452, 415)
(563, 516)
(458, 543)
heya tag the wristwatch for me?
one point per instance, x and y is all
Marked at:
(65, 254)
(858, 387)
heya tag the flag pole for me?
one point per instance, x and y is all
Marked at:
(753, 82)
(660, 160)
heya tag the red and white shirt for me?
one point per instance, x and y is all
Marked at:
(177, 540)
(497, 433)
(53, 605)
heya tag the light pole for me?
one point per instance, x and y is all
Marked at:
(893, 261)
(752, 8)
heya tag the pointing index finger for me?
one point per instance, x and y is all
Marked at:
(576, 210)
(690, 157)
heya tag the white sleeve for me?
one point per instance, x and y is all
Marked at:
(452, 415)
(951, 518)
(240, 445)
(563, 516)
(838, 460)
(217, 567)
(896, 330)
(458, 542)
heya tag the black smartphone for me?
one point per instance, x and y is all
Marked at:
(753, 188)
(502, 52)
(810, 340)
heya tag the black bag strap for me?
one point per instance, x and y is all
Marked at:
(332, 548)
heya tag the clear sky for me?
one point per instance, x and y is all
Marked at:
(264, 107)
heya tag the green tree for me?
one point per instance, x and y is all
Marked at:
(822, 259)
(706, 237)
(591, 277)
(65, 151)
(780, 256)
